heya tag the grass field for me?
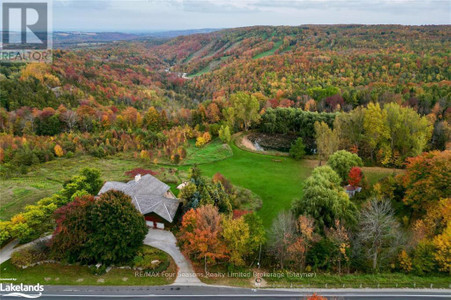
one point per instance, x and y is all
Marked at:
(276, 179)
(81, 275)
(47, 178)
(214, 151)
(323, 280)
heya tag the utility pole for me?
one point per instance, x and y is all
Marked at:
(259, 255)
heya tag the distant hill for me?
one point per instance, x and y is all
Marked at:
(67, 39)
(197, 54)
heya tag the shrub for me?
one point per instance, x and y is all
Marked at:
(423, 258)
(98, 271)
(200, 142)
(5, 233)
(147, 255)
(297, 150)
(224, 134)
(404, 261)
(30, 255)
(203, 140)
(58, 151)
(214, 129)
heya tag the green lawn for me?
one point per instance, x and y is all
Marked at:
(213, 151)
(277, 180)
(374, 174)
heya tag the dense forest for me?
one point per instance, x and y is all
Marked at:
(112, 90)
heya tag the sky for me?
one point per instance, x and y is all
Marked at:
(162, 15)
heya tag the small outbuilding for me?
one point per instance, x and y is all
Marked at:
(352, 190)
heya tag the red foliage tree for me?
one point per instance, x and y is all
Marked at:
(355, 176)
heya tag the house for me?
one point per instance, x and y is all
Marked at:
(151, 197)
(352, 190)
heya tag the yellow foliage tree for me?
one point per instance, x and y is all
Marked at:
(405, 262)
(236, 235)
(442, 242)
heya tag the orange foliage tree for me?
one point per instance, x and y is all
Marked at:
(200, 234)
(427, 179)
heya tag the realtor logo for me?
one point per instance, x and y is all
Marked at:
(26, 35)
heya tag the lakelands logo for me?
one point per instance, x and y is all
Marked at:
(22, 290)
(26, 34)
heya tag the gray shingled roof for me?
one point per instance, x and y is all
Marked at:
(147, 195)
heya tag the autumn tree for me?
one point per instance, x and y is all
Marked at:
(377, 133)
(245, 110)
(213, 113)
(67, 242)
(257, 233)
(236, 237)
(327, 141)
(350, 130)
(431, 234)
(93, 231)
(200, 234)
(152, 119)
(355, 176)
(427, 179)
(442, 244)
(340, 237)
(302, 240)
(408, 131)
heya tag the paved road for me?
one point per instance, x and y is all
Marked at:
(166, 241)
(219, 292)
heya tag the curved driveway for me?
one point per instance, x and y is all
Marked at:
(165, 240)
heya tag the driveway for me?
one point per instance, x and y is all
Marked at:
(165, 240)
(5, 252)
